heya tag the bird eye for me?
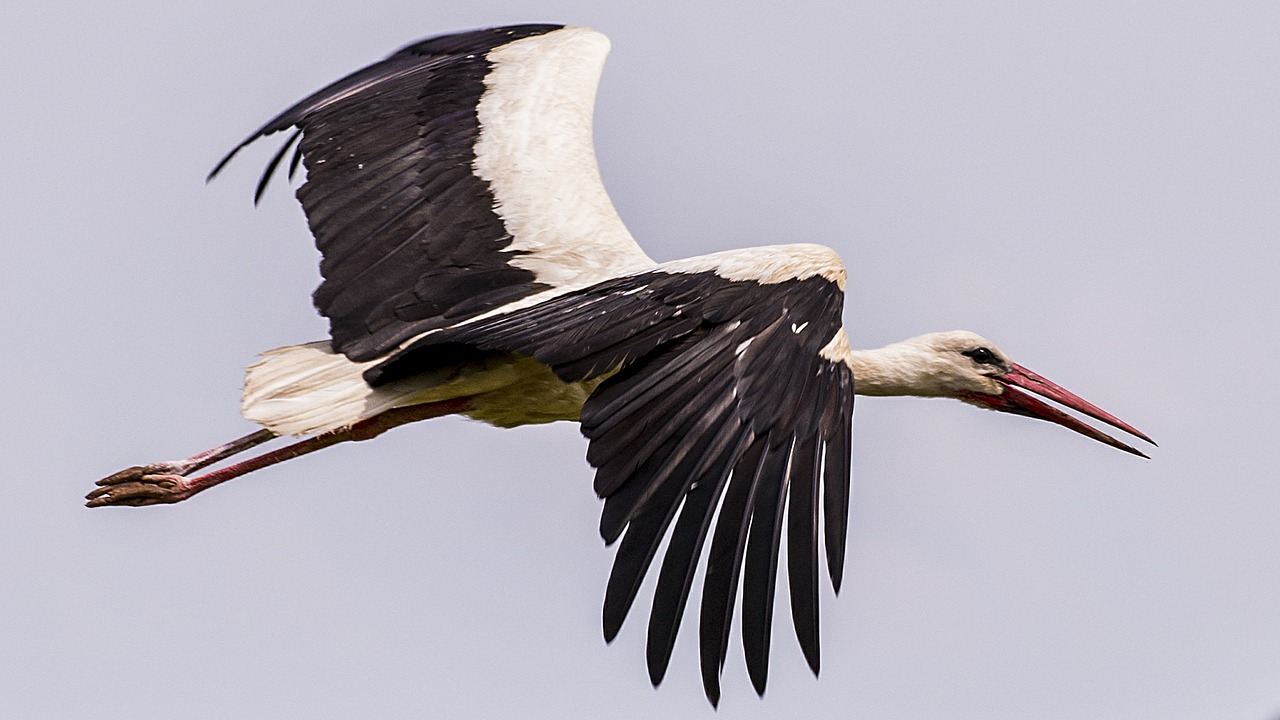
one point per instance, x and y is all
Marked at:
(982, 356)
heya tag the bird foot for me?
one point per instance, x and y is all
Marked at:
(155, 484)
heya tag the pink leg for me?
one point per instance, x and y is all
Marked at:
(163, 483)
(188, 465)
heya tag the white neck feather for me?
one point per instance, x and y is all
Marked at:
(904, 368)
(890, 370)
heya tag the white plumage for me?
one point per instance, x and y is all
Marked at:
(539, 159)
(474, 265)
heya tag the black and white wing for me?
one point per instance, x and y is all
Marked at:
(453, 186)
(727, 388)
(454, 177)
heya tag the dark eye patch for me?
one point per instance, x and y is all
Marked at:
(982, 356)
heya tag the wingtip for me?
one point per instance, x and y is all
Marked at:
(758, 671)
(814, 660)
(658, 651)
(222, 163)
(612, 522)
(610, 531)
(811, 647)
(713, 696)
(270, 170)
(611, 624)
(657, 671)
(711, 684)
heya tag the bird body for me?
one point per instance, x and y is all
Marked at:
(472, 264)
(308, 389)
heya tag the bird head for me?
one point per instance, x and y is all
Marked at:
(968, 367)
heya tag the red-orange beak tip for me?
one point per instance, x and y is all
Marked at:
(1015, 401)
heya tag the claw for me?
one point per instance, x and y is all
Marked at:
(136, 487)
(139, 471)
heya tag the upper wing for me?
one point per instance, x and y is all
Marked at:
(727, 390)
(452, 178)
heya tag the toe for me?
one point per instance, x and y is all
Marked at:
(125, 475)
(141, 472)
(145, 490)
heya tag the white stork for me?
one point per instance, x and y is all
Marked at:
(474, 265)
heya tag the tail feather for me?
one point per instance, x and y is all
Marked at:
(307, 389)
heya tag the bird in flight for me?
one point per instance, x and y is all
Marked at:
(472, 264)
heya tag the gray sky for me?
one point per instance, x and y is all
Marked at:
(1092, 185)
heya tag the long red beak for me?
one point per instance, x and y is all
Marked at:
(1013, 400)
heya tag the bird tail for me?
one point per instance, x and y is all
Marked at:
(308, 389)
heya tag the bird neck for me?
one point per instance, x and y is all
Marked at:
(890, 370)
(897, 369)
(903, 368)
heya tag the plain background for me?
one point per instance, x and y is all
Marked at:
(1092, 185)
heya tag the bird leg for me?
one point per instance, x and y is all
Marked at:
(195, 462)
(166, 482)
